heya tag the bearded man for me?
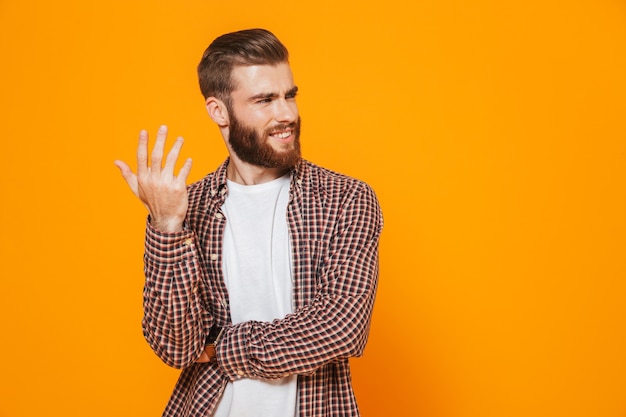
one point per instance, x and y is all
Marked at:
(261, 277)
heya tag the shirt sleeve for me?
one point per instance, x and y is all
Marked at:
(335, 324)
(175, 320)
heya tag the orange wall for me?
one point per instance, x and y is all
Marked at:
(493, 132)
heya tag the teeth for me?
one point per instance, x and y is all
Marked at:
(282, 135)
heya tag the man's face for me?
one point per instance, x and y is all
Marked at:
(255, 147)
(264, 128)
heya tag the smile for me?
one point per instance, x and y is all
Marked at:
(281, 135)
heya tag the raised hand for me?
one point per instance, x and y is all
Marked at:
(163, 193)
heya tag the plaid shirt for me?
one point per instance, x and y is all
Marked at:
(334, 224)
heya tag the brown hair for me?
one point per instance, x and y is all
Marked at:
(245, 47)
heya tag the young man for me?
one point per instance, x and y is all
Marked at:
(261, 277)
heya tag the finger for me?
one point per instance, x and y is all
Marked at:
(204, 358)
(123, 166)
(129, 176)
(184, 171)
(157, 152)
(172, 157)
(142, 153)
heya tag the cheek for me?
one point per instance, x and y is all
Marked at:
(257, 120)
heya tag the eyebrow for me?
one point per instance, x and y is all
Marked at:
(291, 92)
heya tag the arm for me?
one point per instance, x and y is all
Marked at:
(335, 324)
(175, 320)
(173, 316)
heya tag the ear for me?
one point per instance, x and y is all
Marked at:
(217, 111)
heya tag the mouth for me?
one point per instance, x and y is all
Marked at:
(283, 136)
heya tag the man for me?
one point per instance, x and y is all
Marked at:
(261, 277)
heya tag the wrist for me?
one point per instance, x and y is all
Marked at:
(167, 225)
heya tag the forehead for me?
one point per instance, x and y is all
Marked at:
(252, 80)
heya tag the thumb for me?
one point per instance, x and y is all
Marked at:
(128, 175)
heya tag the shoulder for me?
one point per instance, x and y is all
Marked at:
(329, 182)
(334, 191)
(333, 195)
(200, 186)
(210, 186)
(206, 192)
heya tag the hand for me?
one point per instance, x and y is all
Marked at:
(208, 355)
(163, 194)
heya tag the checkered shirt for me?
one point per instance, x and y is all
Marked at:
(334, 225)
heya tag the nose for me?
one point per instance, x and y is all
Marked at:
(285, 111)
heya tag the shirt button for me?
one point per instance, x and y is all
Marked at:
(213, 192)
(219, 216)
(214, 256)
(188, 242)
(240, 372)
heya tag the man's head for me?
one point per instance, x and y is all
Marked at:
(249, 91)
(242, 48)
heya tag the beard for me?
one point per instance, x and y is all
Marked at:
(255, 149)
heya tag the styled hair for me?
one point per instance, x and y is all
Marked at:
(245, 47)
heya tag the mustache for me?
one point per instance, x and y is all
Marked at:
(281, 127)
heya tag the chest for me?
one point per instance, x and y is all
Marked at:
(309, 229)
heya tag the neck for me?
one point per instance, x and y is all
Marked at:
(248, 174)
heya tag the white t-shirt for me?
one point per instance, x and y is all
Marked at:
(257, 273)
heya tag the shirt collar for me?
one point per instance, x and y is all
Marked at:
(218, 187)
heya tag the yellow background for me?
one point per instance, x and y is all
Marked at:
(493, 132)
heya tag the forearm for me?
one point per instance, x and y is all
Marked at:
(175, 320)
(298, 344)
